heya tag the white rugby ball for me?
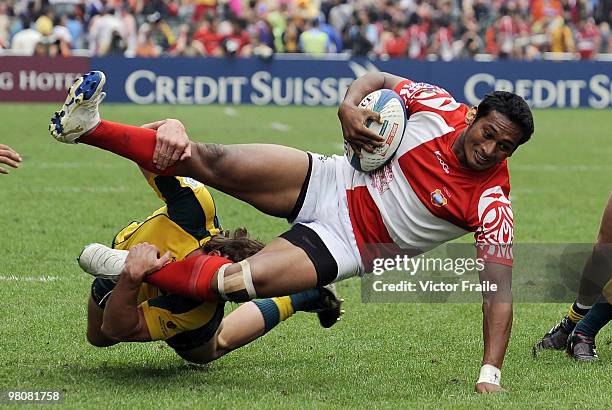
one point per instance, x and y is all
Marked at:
(393, 115)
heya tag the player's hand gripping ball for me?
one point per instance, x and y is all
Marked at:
(393, 117)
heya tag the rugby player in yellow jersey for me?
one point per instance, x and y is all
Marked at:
(130, 310)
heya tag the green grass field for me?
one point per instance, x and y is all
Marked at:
(378, 356)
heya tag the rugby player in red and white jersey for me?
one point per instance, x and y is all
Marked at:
(449, 177)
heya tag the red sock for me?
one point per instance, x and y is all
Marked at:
(190, 277)
(135, 143)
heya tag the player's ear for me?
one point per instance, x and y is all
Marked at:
(214, 253)
(470, 115)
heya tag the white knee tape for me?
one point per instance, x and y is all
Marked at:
(221, 280)
(248, 278)
(245, 276)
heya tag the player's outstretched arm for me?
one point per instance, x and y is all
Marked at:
(123, 319)
(496, 325)
(352, 118)
(10, 157)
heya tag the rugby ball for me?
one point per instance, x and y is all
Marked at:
(393, 115)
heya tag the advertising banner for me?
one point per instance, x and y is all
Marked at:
(323, 82)
(37, 79)
(300, 80)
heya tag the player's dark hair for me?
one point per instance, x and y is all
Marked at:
(513, 107)
(235, 245)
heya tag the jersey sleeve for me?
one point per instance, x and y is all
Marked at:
(495, 229)
(426, 97)
(190, 205)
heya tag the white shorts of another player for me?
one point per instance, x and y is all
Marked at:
(325, 211)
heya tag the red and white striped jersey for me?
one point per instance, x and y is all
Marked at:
(424, 196)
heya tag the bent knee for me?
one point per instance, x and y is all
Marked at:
(223, 346)
(99, 340)
(199, 358)
(112, 333)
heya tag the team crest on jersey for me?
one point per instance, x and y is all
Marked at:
(191, 182)
(438, 199)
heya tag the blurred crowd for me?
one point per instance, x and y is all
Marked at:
(416, 29)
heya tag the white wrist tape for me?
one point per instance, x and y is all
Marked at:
(489, 374)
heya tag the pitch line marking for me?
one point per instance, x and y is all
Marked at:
(76, 190)
(557, 168)
(279, 126)
(18, 278)
(70, 165)
(230, 112)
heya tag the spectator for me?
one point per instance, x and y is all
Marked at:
(307, 9)
(61, 32)
(334, 36)
(156, 29)
(442, 43)
(203, 7)
(41, 49)
(5, 25)
(417, 36)
(44, 23)
(186, 45)
(291, 37)
(235, 7)
(395, 41)
(26, 40)
(313, 40)
(129, 31)
(546, 9)
(587, 39)
(157, 7)
(277, 18)
(237, 41)
(518, 29)
(74, 25)
(340, 15)
(506, 34)
(101, 31)
(561, 37)
(58, 47)
(605, 44)
(209, 37)
(360, 45)
(147, 46)
(470, 42)
(261, 33)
